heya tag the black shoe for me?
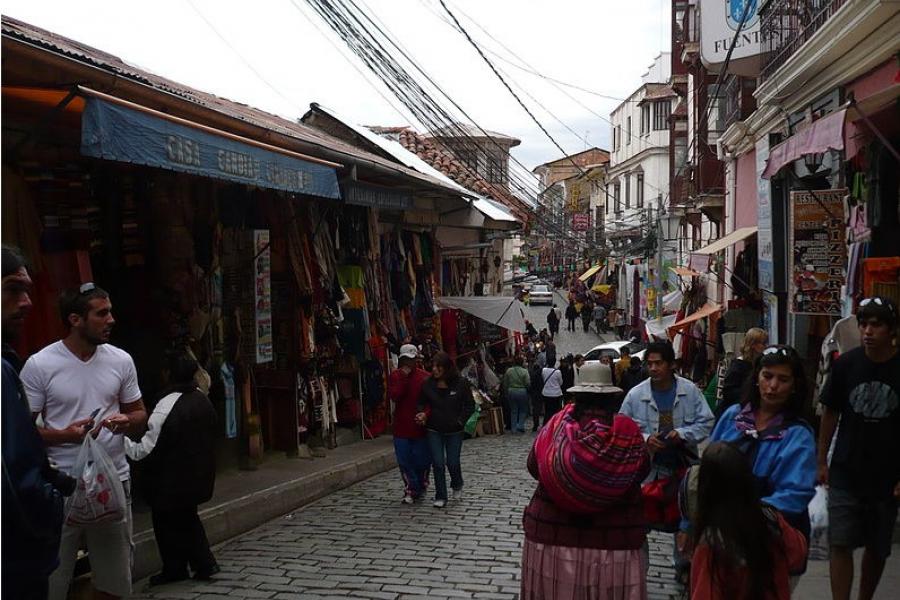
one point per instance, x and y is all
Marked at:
(207, 574)
(164, 578)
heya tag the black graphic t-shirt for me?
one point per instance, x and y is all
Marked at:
(867, 452)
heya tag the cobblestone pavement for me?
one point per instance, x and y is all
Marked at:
(361, 542)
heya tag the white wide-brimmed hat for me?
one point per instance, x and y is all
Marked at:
(594, 378)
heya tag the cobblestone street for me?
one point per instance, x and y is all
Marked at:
(362, 542)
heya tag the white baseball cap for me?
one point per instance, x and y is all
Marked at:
(409, 351)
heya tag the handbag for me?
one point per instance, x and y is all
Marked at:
(661, 509)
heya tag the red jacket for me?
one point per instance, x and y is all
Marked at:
(404, 390)
(789, 550)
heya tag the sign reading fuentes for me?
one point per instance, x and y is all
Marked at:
(119, 133)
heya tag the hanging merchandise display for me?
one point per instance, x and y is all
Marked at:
(263, 288)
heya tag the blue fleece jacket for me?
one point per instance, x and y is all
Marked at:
(788, 462)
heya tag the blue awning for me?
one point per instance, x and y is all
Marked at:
(124, 134)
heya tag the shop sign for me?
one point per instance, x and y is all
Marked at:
(113, 132)
(719, 20)
(765, 258)
(818, 256)
(377, 197)
(581, 221)
(262, 272)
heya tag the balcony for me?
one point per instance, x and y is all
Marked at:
(785, 25)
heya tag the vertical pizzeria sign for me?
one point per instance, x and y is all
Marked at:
(262, 272)
(818, 255)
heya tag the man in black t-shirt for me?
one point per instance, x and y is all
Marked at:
(864, 476)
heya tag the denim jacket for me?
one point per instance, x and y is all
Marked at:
(691, 416)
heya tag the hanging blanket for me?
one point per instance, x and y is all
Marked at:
(586, 466)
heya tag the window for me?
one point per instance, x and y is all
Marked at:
(716, 123)
(618, 136)
(639, 196)
(628, 131)
(627, 192)
(616, 196)
(645, 119)
(661, 110)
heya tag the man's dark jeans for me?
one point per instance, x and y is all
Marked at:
(445, 452)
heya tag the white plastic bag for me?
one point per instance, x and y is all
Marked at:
(818, 520)
(99, 495)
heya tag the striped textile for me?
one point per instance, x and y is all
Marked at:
(589, 465)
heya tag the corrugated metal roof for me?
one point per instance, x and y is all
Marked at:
(58, 44)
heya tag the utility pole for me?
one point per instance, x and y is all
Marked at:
(659, 259)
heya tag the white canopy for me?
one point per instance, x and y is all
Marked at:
(505, 311)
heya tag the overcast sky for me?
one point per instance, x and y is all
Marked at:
(277, 55)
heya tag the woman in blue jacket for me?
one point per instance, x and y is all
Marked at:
(767, 427)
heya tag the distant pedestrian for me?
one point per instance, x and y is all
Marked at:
(66, 383)
(584, 526)
(633, 375)
(516, 382)
(445, 405)
(179, 466)
(32, 490)
(551, 389)
(530, 331)
(551, 353)
(587, 314)
(553, 321)
(567, 367)
(579, 362)
(599, 316)
(620, 323)
(535, 388)
(623, 364)
(745, 549)
(410, 443)
(864, 475)
(741, 368)
(571, 316)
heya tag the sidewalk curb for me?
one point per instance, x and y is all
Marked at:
(227, 520)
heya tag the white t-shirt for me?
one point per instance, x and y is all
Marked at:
(64, 389)
(552, 382)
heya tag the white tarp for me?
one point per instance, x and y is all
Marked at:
(506, 312)
(660, 328)
(672, 301)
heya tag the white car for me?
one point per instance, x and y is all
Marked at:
(614, 351)
(540, 294)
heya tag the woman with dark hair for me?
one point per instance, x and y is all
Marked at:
(178, 457)
(741, 368)
(777, 443)
(584, 527)
(444, 407)
(745, 549)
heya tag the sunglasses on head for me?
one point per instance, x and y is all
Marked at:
(878, 301)
(86, 288)
(780, 350)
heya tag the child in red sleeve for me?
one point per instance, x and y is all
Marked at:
(410, 445)
(744, 550)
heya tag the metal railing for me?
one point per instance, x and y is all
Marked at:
(739, 103)
(785, 25)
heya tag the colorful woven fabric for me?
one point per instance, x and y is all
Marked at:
(587, 465)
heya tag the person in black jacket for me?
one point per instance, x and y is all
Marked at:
(179, 463)
(571, 315)
(445, 405)
(741, 368)
(32, 490)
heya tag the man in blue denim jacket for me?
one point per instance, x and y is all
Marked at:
(670, 410)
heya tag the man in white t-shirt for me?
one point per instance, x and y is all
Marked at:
(66, 383)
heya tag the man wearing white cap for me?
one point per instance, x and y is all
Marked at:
(410, 445)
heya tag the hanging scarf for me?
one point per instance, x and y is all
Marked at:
(589, 465)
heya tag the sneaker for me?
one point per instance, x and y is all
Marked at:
(456, 495)
(440, 503)
(407, 499)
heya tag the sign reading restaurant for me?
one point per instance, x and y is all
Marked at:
(120, 133)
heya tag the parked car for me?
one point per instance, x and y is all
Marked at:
(613, 350)
(541, 293)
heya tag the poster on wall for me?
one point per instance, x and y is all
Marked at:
(764, 245)
(581, 221)
(818, 256)
(262, 272)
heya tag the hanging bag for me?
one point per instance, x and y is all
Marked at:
(99, 495)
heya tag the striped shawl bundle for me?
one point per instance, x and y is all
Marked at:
(586, 465)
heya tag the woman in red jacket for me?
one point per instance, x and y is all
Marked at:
(744, 550)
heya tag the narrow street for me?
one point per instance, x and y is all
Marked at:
(362, 542)
(567, 341)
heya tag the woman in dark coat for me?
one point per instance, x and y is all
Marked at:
(445, 405)
(177, 454)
